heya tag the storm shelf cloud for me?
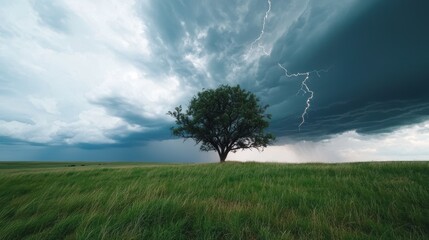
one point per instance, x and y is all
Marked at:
(93, 80)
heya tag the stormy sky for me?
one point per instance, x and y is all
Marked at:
(93, 80)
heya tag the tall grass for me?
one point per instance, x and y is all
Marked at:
(217, 201)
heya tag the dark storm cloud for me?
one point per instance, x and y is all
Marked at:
(156, 129)
(205, 29)
(379, 78)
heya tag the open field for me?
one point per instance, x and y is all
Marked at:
(214, 201)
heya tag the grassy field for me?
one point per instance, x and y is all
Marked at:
(214, 201)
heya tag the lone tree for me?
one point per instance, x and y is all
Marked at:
(224, 119)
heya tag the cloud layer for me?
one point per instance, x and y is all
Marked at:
(103, 74)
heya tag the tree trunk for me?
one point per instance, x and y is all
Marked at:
(222, 156)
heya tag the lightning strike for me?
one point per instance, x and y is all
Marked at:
(258, 40)
(304, 89)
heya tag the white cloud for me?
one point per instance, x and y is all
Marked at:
(113, 24)
(407, 143)
(96, 127)
(61, 72)
(48, 105)
(92, 126)
(150, 98)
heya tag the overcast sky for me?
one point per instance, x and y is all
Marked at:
(93, 80)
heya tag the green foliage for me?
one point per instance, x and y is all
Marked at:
(215, 201)
(223, 120)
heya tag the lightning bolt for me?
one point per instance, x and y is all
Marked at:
(258, 40)
(304, 88)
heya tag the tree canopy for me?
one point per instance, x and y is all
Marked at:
(223, 120)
